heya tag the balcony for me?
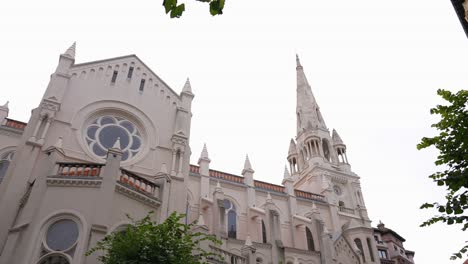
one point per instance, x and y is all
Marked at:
(138, 188)
(386, 261)
(77, 174)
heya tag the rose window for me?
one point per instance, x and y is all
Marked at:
(104, 131)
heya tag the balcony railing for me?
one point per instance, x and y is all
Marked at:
(137, 183)
(226, 257)
(79, 169)
(386, 261)
(309, 195)
(346, 210)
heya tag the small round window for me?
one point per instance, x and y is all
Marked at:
(62, 235)
(104, 131)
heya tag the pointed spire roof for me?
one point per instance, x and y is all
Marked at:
(187, 87)
(204, 154)
(247, 165)
(269, 199)
(307, 108)
(286, 174)
(336, 138)
(70, 52)
(5, 105)
(117, 144)
(292, 147)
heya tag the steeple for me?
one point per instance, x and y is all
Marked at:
(70, 52)
(187, 87)
(307, 110)
(336, 138)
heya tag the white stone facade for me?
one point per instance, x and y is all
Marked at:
(110, 138)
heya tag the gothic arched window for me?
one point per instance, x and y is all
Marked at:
(264, 235)
(310, 240)
(231, 215)
(359, 246)
(5, 161)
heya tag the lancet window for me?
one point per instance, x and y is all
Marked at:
(231, 216)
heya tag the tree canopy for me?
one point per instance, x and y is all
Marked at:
(452, 143)
(146, 242)
(175, 10)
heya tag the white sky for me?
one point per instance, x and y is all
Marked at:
(374, 67)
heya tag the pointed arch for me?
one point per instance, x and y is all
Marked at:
(264, 234)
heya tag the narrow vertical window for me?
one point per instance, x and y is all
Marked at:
(130, 73)
(358, 243)
(310, 240)
(114, 77)
(142, 85)
(264, 238)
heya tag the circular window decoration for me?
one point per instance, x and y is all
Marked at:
(104, 131)
(62, 235)
(337, 190)
(55, 258)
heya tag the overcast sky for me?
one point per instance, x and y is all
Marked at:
(374, 67)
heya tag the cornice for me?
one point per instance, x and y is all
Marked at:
(57, 181)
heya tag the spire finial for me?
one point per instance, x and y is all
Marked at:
(6, 104)
(117, 144)
(187, 87)
(70, 52)
(298, 62)
(247, 165)
(204, 153)
(286, 172)
(248, 241)
(59, 143)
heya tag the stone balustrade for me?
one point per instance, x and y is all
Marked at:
(346, 210)
(226, 257)
(137, 183)
(70, 169)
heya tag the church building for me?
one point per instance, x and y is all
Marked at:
(111, 138)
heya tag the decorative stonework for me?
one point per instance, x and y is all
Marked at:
(74, 182)
(150, 201)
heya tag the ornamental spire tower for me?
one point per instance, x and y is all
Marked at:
(307, 110)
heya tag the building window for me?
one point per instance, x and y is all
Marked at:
(230, 211)
(142, 85)
(383, 254)
(310, 240)
(59, 241)
(359, 246)
(104, 131)
(264, 235)
(371, 252)
(130, 73)
(114, 77)
(62, 235)
(5, 161)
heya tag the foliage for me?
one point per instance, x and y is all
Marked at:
(145, 242)
(452, 143)
(175, 10)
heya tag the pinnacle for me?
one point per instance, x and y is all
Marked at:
(187, 87)
(204, 153)
(247, 165)
(298, 62)
(6, 105)
(70, 52)
(336, 138)
(286, 173)
(117, 144)
(292, 147)
(59, 143)
(248, 241)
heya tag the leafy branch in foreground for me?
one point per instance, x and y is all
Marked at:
(146, 242)
(175, 10)
(452, 143)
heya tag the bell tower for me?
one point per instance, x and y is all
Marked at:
(318, 161)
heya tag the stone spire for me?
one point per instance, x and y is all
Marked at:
(307, 109)
(286, 174)
(247, 165)
(70, 52)
(204, 154)
(117, 144)
(292, 147)
(336, 138)
(187, 87)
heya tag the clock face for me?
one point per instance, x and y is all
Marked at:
(337, 190)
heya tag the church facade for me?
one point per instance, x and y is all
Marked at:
(111, 138)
